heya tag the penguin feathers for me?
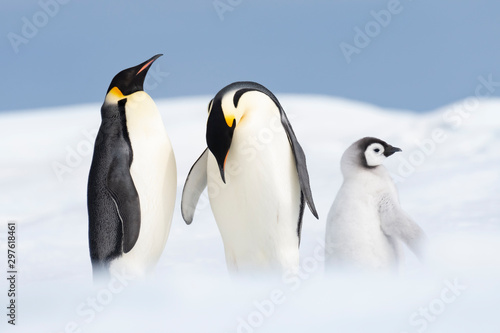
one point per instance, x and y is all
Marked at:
(259, 203)
(300, 163)
(133, 169)
(195, 184)
(298, 152)
(366, 222)
(240, 89)
(396, 223)
(110, 180)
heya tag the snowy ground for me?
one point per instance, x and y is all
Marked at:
(449, 181)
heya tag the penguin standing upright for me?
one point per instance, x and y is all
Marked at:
(132, 181)
(366, 222)
(257, 179)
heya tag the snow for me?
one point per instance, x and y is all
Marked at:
(448, 177)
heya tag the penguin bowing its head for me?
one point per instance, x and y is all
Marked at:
(257, 179)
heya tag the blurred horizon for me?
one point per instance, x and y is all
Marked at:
(398, 54)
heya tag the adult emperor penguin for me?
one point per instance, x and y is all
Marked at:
(257, 179)
(366, 222)
(132, 181)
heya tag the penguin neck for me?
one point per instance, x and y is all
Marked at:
(351, 169)
(143, 117)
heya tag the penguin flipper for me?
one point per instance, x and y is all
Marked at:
(395, 222)
(124, 194)
(195, 185)
(300, 163)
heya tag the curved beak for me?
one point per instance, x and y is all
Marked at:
(389, 150)
(142, 69)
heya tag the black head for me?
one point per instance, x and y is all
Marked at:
(373, 151)
(221, 125)
(130, 80)
(219, 133)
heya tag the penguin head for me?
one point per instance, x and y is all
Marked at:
(374, 151)
(368, 153)
(129, 81)
(227, 109)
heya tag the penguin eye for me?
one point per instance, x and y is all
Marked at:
(376, 150)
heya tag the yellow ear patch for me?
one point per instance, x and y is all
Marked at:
(229, 120)
(116, 92)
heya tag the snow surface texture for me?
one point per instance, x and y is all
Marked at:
(448, 177)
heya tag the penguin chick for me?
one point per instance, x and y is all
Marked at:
(366, 222)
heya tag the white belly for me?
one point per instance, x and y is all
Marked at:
(154, 174)
(257, 210)
(354, 237)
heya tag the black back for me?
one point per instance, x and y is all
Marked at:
(112, 200)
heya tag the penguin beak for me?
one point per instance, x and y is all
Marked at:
(219, 136)
(131, 80)
(389, 150)
(142, 69)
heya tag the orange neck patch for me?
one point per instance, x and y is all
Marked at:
(229, 120)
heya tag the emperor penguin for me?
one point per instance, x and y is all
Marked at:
(132, 181)
(257, 179)
(366, 223)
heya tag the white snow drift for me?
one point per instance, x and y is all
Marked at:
(448, 176)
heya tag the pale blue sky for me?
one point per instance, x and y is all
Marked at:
(429, 54)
